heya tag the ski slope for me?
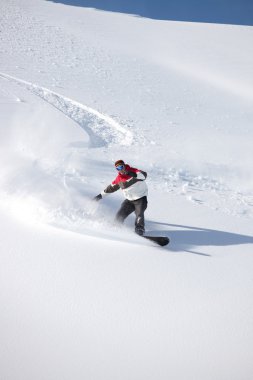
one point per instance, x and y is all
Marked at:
(80, 297)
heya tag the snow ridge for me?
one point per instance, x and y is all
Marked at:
(102, 129)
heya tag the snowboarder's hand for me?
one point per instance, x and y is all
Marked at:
(97, 197)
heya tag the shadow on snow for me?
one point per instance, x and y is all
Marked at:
(186, 238)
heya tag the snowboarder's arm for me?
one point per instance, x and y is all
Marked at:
(136, 177)
(109, 189)
(139, 174)
(142, 175)
(131, 174)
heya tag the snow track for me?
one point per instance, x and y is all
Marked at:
(104, 131)
(101, 128)
(87, 298)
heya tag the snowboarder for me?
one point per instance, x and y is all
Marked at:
(134, 187)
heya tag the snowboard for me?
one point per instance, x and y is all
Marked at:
(160, 240)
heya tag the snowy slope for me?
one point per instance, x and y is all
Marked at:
(80, 88)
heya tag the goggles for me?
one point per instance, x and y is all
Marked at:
(120, 167)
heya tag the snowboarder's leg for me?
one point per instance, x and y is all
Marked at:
(126, 208)
(140, 207)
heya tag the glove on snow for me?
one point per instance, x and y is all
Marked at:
(97, 197)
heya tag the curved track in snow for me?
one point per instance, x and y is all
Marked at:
(104, 131)
(101, 129)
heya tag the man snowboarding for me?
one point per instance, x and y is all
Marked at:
(132, 182)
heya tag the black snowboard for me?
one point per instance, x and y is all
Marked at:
(161, 240)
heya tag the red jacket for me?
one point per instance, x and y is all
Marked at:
(132, 184)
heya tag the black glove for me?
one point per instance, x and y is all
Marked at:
(97, 197)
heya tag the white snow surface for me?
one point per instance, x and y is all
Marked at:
(80, 297)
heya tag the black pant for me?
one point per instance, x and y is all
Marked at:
(138, 206)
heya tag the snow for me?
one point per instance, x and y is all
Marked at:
(81, 297)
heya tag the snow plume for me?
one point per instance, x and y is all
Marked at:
(36, 190)
(44, 171)
(88, 300)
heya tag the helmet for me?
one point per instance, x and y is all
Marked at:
(119, 162)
